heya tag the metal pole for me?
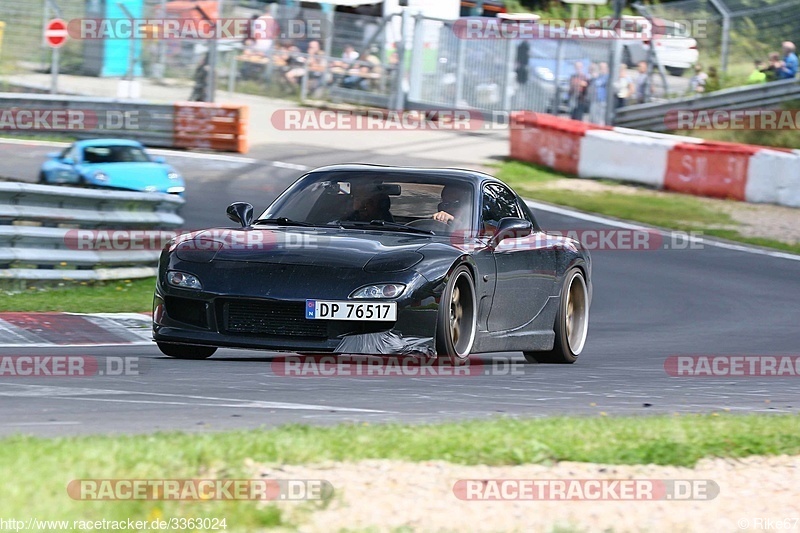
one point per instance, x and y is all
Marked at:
(211, 89)
(162, 46)
(461, 63)
(400, 97)
(508, 69)
(56, 59)
(557, 76)
(726, 32)
(614, 62)
(131, 47)
(415, 75)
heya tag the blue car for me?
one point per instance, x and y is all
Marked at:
(111, 163)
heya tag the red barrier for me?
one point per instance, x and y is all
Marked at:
(220, 127)
(548, 140)
(711, 169)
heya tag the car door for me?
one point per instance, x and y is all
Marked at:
(64, 168)
(525, 265)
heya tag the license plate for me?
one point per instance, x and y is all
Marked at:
(341, 310)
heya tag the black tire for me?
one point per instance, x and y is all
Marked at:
(574, 305)
(675, 71)
(186, 351)
(42, 178)
(456, 324)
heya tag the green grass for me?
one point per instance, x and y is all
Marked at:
(123, 296)
(667, 210)
(38, 470)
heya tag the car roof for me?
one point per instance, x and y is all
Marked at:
(471, 176)
(108, 142)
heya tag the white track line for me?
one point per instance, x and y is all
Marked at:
(627, 225)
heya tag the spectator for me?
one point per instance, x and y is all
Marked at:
(521, 66)
(773, 64)
(642, 83)
(788, 68)
(712, 82)
(578, 83)
(313, 65)
(623, 87)
(757, 76)
(201, 80)
(599, 95)
(697, 83)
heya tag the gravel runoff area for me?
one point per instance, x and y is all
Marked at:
(384, 495)
(767, 221)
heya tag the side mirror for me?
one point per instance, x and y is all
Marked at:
(159, 159)
(68, 161)
(511, 227)
(241, 212)
(54, 155)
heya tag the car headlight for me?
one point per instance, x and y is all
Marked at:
(384, 290)
(175, 190)
(100, 176)
(545, 73)
(183, 280)
(173, 175)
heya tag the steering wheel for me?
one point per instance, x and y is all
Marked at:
(429, 224)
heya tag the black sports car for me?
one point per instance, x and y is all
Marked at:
(362, 259)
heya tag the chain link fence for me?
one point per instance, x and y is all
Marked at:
(391, 62)
(733, 34)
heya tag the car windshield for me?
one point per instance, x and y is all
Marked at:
(114, 154)
(393, 201)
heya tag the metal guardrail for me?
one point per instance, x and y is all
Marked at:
(652, 116)
(151, 124)
(38, 223)
(179, 125)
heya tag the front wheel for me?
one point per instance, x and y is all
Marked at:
(457, 320)
(572, 322)
(186, 351)
(42, 177)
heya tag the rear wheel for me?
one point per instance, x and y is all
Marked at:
(186, 351)
(456, 323)
(572, 322)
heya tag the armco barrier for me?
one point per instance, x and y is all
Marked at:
(182, 125)
(710, 169)
(677, 163)
(35, 221)
(548, 140)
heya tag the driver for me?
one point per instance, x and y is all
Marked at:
(454, 205)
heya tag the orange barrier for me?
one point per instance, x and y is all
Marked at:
(548, 140)
(711, 169)
(221, 127)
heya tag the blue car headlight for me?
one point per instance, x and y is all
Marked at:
(173, 175)
(100, 176)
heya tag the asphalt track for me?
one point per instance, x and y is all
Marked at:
(648, 305)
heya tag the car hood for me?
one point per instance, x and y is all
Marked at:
(319, 247)
(133, 175)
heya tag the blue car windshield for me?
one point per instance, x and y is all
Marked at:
(114, 154)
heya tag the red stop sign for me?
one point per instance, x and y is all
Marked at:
(55, 33)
